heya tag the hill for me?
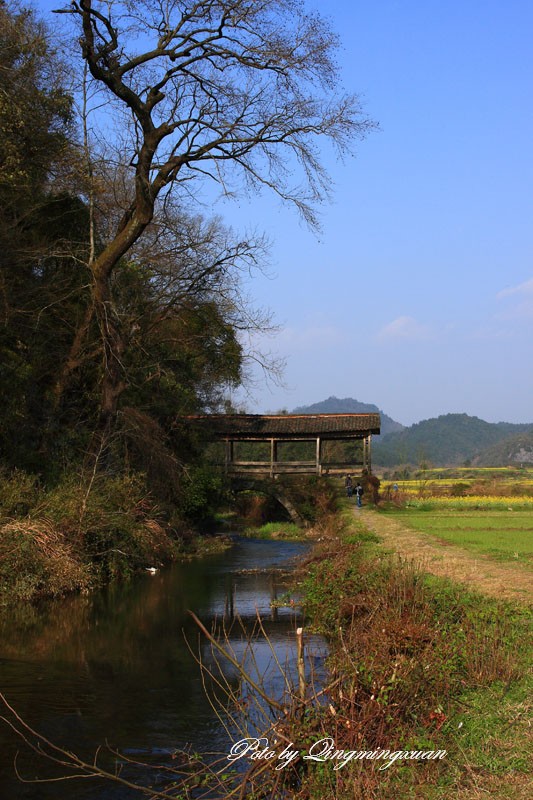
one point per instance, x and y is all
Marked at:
(445, 440)
(513, 450)
(347, 405)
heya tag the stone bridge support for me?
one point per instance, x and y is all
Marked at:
(283, 499)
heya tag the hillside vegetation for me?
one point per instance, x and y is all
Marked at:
(347, 405)
(448, 439)
(516, 449)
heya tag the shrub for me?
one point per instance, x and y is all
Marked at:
(201, 493)
(18, 492)
(36, 560)
(77, 534)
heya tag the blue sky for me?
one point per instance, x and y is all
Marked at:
(417, 295)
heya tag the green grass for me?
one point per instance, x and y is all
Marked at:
(504, 535)
(276, 530)
(408, 649)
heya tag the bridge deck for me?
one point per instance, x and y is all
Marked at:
(241, 429)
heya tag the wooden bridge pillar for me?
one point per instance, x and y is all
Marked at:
(229, 454)
(273, 455)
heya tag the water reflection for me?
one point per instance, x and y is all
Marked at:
(115, 666)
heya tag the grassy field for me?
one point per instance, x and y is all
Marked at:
(418, 661)
(487, 511)
(503, 534)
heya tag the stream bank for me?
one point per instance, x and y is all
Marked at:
(417, 664)
(114, 666)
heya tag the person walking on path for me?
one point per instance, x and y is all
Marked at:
(359, 495)
(348, 485)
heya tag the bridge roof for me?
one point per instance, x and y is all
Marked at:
(288, 426)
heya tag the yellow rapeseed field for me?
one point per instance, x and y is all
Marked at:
(471, 502)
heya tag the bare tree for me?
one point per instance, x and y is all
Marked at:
(193, 267)
(237, 91)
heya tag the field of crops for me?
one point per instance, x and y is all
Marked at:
(463, 488)
(503, 535)
(487, 511)
(470, 502)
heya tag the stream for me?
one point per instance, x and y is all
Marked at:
(114, 666)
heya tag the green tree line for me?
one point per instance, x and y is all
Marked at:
(122, 303)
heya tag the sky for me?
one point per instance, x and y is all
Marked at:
(417, 293)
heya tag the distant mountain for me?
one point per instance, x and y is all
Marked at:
(347, 405)
(445, 440)
(513, 450)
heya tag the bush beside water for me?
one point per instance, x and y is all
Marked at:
(76, 535)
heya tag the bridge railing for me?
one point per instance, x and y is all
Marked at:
(289, 468)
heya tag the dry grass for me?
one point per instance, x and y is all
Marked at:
(36, 559)
(418, 665)
(479, 572)
(72, 538)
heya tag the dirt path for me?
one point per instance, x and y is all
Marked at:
(500, 580)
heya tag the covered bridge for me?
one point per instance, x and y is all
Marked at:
(274, 430)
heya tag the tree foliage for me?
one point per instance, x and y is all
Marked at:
(177, 295)
(35, 109)
(234, 91)
(120, 299)
(41, 229)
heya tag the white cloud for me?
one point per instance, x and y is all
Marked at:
(523, 301)
(403, 328)
(525, 288)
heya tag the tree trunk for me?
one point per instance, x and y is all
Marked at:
(74, 359)
(113, 336)
(113, 382)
